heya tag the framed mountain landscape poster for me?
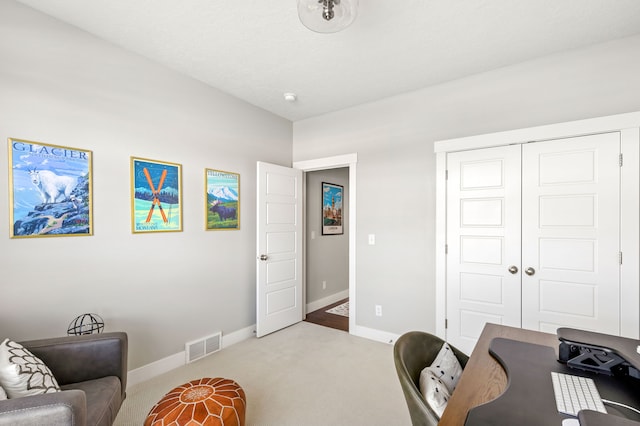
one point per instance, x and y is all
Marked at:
(156, 196)
(332, 209)
(222, 200)
(50, 192)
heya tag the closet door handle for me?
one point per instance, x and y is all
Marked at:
(513, 269)
(529, 271)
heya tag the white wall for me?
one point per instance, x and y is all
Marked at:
(327, 256)
(396, 165)
(61, 86)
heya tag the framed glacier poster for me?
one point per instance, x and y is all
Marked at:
(50, 191)
(332, 195)
(222, 200)
(156, 196)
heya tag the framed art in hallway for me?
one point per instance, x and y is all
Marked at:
(156, 196)
(332, 195)
(50, 191)
(222, 200)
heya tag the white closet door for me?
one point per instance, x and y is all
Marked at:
(483, 239)
(570, 234)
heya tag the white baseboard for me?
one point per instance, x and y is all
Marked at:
(238, 336)
(163, 365)
(154, 369)
(333, 298)
(373, 334)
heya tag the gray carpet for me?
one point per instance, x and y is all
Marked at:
(303, 375)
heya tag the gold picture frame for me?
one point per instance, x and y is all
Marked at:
(155, 184)
(222, 200)
(50, 190)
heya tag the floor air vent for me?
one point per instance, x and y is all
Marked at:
(200, 348)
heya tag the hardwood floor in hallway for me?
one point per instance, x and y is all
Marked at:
(326, 319)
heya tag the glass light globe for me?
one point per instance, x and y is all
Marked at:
(327, 16)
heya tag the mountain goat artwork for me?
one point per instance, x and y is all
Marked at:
(51, 185)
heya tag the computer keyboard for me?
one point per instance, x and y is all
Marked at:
(575, 393)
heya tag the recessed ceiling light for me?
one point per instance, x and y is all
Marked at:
(290, 97)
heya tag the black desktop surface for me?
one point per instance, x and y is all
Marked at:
(529, 398)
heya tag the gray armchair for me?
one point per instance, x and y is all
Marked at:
(92, 373)
(412, 352)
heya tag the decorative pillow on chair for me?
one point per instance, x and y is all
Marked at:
(447, 367)
(438, 380)
(434, 391)
(22, 373)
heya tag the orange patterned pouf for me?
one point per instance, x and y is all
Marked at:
(202, 402)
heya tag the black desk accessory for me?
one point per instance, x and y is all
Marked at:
(529, 399)
(593, 418)
(600, 353)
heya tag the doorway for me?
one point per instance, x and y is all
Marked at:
(327, 247)
(349, 162)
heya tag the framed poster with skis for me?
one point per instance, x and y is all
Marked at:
(156, 196)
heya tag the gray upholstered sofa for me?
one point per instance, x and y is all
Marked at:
(92, 373)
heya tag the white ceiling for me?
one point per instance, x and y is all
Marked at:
(257, 50)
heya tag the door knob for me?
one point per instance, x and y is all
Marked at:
(263, 257)
(529, 271)
(513, 269)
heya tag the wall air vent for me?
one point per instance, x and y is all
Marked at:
(202, 347)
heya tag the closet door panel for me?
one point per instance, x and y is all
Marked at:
(570, 234)
(483, 239)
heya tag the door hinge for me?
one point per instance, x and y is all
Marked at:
(446, 175)
(446, 249)
(620, 257)
(620, 160)
(446, 323)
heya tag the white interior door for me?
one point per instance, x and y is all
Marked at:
(278, 248)
(570, 234)
(483, 242)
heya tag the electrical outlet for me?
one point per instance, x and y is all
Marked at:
(378, 310)
(324, 285)
(372, 239)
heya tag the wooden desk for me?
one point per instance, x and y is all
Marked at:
(483, 378)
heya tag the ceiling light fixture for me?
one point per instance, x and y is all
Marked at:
(327, 16)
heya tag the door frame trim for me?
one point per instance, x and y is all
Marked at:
(628, 125)
(350, 161)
